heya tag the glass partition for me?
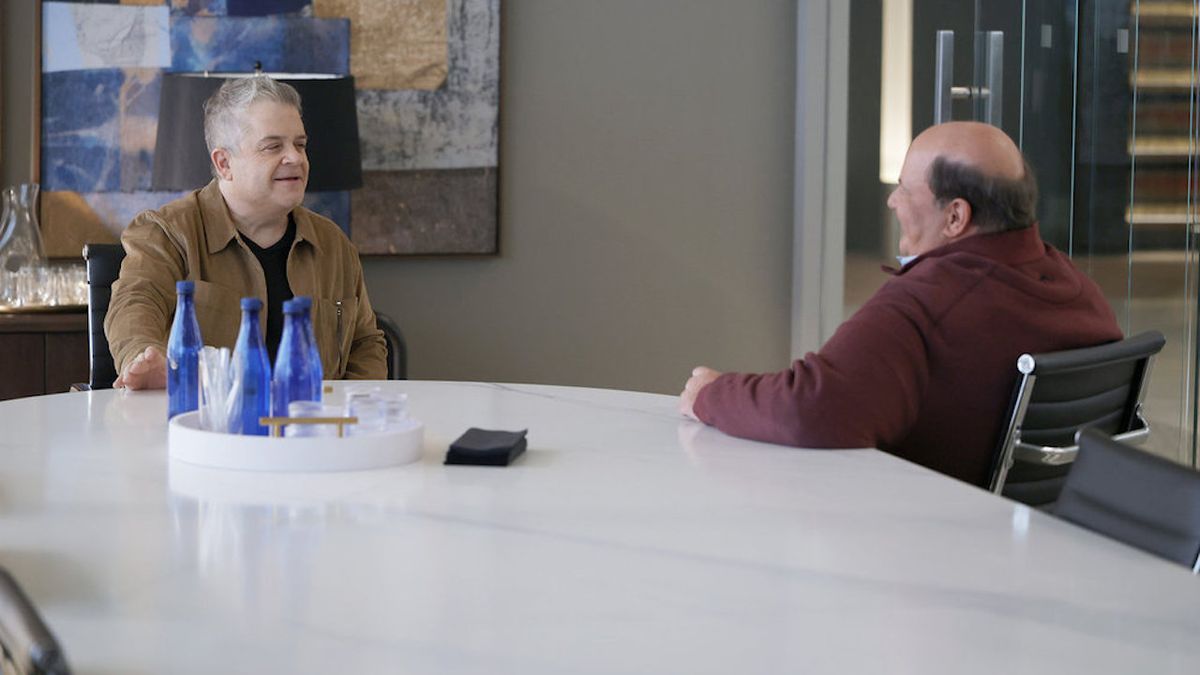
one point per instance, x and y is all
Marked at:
(1134, 221)
(1101, 95)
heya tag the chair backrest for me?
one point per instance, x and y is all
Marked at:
(1059, 393)
(397, 361)
(1134, 497)
(103, 267)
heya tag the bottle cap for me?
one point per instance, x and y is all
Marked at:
(251, 303)
(292, 307)
(303, 301)
(185, 287)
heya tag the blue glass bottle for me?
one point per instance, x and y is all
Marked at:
(316, 370)
(291, 379)
(183, 350)
(251, 374)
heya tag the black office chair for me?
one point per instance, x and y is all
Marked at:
(1058, 394)
(1134, 497)
(397, 361)
(103, 267)
(27, 646)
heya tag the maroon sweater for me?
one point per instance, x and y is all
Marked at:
(925, 370)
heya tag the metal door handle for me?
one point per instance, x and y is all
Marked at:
(990, 95)
(944, 91)
(993, 95)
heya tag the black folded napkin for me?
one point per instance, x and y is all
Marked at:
(487, 448)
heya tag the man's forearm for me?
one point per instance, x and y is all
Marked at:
(133, 323)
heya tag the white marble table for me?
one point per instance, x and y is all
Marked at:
(626, 541)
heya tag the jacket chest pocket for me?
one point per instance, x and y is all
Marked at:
(333, 324)
(218, 310)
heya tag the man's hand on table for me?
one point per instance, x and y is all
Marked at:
(701, 377)
(147, 371)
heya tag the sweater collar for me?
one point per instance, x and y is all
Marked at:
(219, 229)
(1011, 247)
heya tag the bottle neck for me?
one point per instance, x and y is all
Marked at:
(185, 329)
(250, 335)
(250, 318)
(27, 192)
(22, 197)
(293, 327)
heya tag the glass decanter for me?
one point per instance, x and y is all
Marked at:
(21, 252)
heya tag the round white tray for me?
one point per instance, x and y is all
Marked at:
(187, 442)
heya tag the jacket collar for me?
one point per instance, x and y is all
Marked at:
(219, 229)
(1011, 247)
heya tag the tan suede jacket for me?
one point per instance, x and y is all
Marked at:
(194, 238)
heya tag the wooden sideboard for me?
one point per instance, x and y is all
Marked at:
(42, 353)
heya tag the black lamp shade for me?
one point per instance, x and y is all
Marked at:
(181, 159)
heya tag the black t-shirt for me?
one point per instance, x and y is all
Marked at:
(274, 264)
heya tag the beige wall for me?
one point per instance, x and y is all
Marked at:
(17, 30)
(646, 209)
(646, 173)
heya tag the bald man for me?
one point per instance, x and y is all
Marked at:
(925, 370)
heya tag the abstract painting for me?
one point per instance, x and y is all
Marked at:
(80, 36)
(430, 157)
(427, 77)
(98, 128)
(281, 44)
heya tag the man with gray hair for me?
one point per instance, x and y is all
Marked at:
(925, 369)
(244, 234)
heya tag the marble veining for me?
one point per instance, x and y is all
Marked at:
(626, 540)
(573, 395)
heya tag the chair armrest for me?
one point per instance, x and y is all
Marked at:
(1054, 456)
